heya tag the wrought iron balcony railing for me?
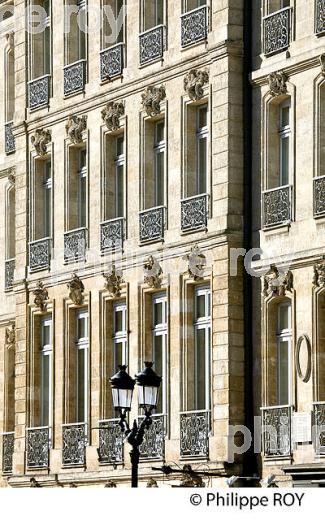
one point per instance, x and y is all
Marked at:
(152, 44)
(194, 434)
(319, 196)
(9, 274)
(37, 447)
(111, 440)
(75, 245)
(276, 429)
(319, 428)
(152, 224)
(319, 16)
(194, 26)
(74, 442)
(8, 443)
(194, 213)
(39, 92)
(112, 62)
(75, 77)
(277, 206)
(10, 145)
(40, 254)
(111, 235)
(153, 446)
(277, 31)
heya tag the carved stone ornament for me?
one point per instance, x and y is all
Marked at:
(152, 483)
(319, 275)
(277, 83)
(111, 115)
(190, 478)
(41, 297)
(277, 283)
(113, 282)
(322, 63)
(152, 273)
(12, 178)
(196, 263)
(151, 99)
(194, 82)
(40, 140)
(75, 127)
(10, 336)
(110, 484)
(76, 290)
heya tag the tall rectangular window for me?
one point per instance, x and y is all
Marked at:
(159, 344)
(119, 335)
(47, 190)
(194, 4)
(284, 341)
(202, 149)
(197, 136)
(76, 24)
(82, 188)
(159, 164)
(40, 41)
(46, 392)
(82, 346)
(152, 13)
(202, 341)
(114, 12)
(155, 179)
(284, 145)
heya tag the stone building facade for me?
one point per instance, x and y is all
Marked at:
(121, 188)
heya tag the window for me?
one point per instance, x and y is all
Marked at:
(75, 34)
(197, 139)
(10, 80)
(114, 12)
(82, 344)
(284, 341)
(276, 5)
(119, 336)
(77, 188)
(154, 183)
(193, 4)
(10, 224)
(202, 149)
(202, 333)
(40, 42)
(82, 188)
(114, 177)
(159, 344)
(284, 144)
(46, 351)
(42, 197)
(152, 13)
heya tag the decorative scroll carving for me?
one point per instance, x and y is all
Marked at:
(39, 92)
(75, 127)
(8, 444)
(194, 436)
(111, 115)
(40, 140)
(113, 282)
(152, 44)
(277, 206)
(151, 99)
(319, 428)
(153, 446)
(277, 283)
(190, 478)
(111, 439)
(76, 290)
(194, 26)
(319, 275)
(112, 235)
(194, 82)
(40, 255)
(10, 143)
(75, 245)
(152, 224)
(320, 16)
(277, 431)
(152, 273)
(10, 340)
(9, 274)
(41, 297)
(74, 77)
(74, 441)
(277, 31)
(112, 62)
(37, 447)
(277, 83)
(319, 195)
(322, 63)
(194, 213)
(196, 263)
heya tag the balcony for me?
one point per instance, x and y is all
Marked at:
(111, 440)
(9, 274)
(277, 31)
(277, 206)
(40, 254)
(112, 62)
(319, 428)
(319, 196)
(319, 17)
(74, 77)
(152, 44)
(37, 447)
(74, 442)
(194, 213)
(153, 446)
(276, 431)
(75, 245)
(194, 434)
(152, 224)
(10, 145)
(8, 443)
(194, 26)
(112, 235)
(39, 92)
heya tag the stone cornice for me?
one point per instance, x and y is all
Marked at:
(7, 172)
(258, 80)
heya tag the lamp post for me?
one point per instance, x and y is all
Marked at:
(122, 391)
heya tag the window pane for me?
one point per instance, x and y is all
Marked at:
(47, 50)
(158, 365)
(200, 306)
(158, 313)
(160, 132)
(202, 173)
(284, 160)
(283, 372)
(284, 317)
(118, 321)
(46, 335)
(81, 385)
(159, 12)
(82, 328)
(285, 116)
(82, 201)
(160, 181)
(119, 172)
(200, 369)
(203, 117)
(119, 146)
(118, 354)
(45, 390)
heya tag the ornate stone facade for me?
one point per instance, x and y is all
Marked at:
(194, 82)
(41, 296)
(76, 290)
(75, 127)
(152, 272)
(111, 115)
(277, 83)
(113, 281)
(152, 98)
(40, 140)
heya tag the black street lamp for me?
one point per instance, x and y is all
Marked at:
(122, 391)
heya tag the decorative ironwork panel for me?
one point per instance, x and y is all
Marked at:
(152, 224)
(152, 44)
(194, 213)
(110, 449)
(75, 244)
(40, 254)
(319, 428)
(74, 77)
(277, 206)
(277, 431)
(112, 62)
(319, 16)
(194, 26)
(319, 196)
(10, 145)
(277, 31)
(9, 274)
(74, 441)
(153, 446)
(8, 444)
(111, 235)
(194, 436)
(38, 445)
(39, 92)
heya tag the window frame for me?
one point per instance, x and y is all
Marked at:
(121, 337)
(82, 174)
(284, 133)
(284, 336)
(47, 198)
(161, 330)
(32, 58)
(159, 150)
(202, 133)
(46, 350)
(203, 323)
(82, 344)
